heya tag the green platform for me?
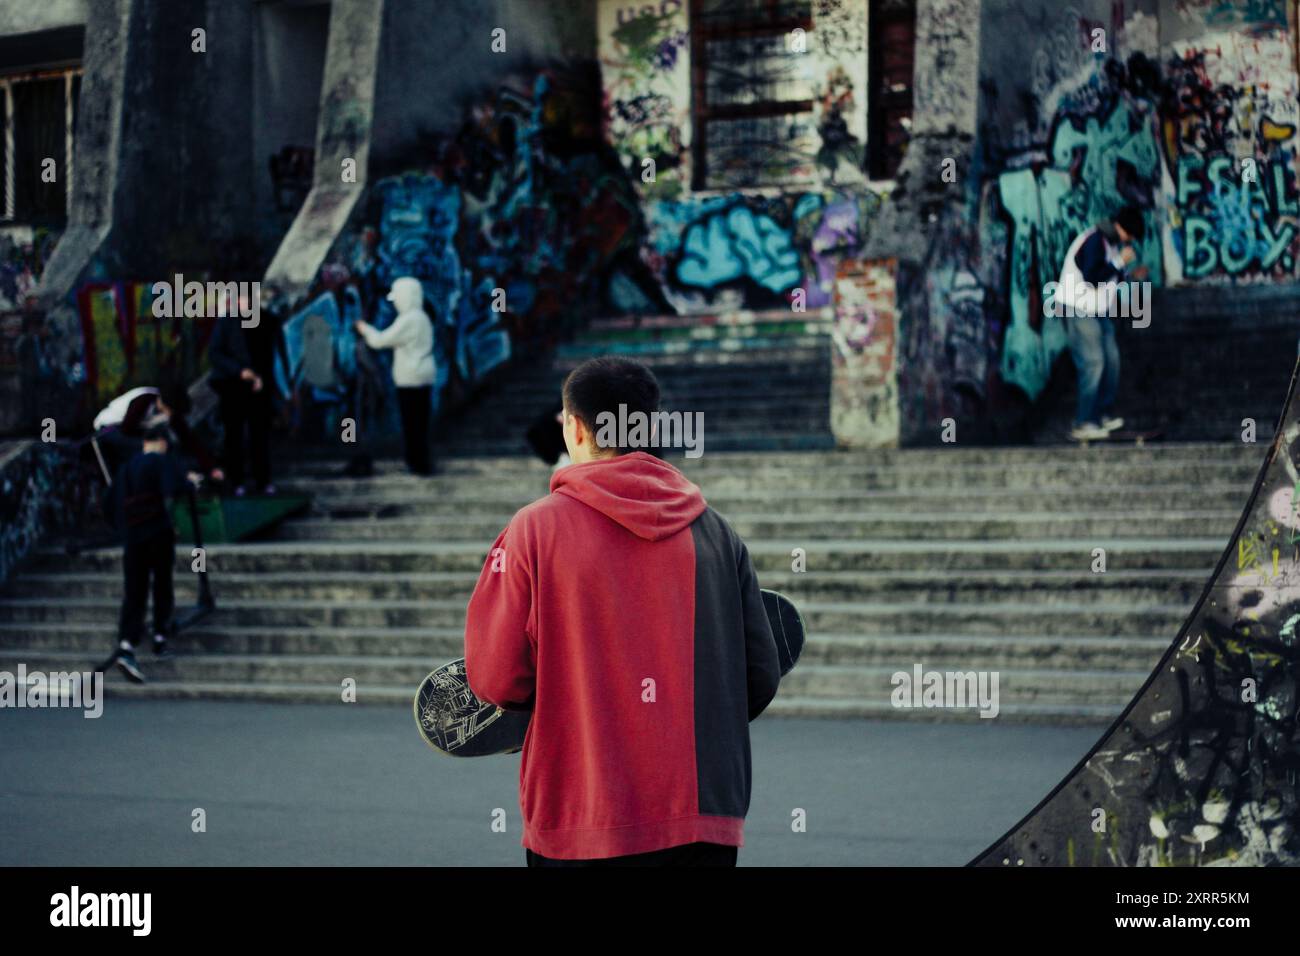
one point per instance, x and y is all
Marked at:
(223, 520)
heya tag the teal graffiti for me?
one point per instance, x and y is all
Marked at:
(739, 244)
(1049, 208)
(1232, 222)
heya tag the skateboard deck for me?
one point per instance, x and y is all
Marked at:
(452, 720)
(1138, 438)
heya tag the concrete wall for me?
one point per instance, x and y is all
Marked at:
(47, 15)
(288, 63)
(435, 58)
(1186, 108)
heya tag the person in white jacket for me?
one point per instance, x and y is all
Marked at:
(410, 336)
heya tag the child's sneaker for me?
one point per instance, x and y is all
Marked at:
(127, 665)
(160, 647)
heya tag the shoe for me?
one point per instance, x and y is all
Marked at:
(1112, 424)
(241, 491)
(127, 665)
(268, 489)
(160, 649)
(1088, 432)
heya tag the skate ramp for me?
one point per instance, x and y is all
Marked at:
(1203, 765)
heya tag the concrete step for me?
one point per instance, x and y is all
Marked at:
(1014, 686)
(1052, 554)
(956, 587)
(427, 500)
(1046, 712)
(1167, 454)
(808, 526)
(92, 641)
(1036, 694)
(1113, 618)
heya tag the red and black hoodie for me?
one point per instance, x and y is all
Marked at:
(626, 614)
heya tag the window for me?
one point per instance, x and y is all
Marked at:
(752, 94)
(889, 105)
(39, 112)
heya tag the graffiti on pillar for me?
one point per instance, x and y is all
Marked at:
(1230, 130)
(645, 62)
(1203, 766)
(864, 379)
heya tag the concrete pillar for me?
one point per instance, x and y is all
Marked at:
(343, 132)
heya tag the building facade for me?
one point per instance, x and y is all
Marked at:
(904, 174)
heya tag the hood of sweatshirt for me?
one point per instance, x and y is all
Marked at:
(647, 496)
(406, 295)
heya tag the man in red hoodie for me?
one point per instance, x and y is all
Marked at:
(625, 613)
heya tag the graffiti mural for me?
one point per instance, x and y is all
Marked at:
(753, 251)
(39, 487)
(864, 379)
(1230, 124)
(1203, 767)
(517, 225)
(644, 54)
(1261, 13)
(1103, 154)
(124, 344)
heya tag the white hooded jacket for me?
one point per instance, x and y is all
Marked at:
(410, 336)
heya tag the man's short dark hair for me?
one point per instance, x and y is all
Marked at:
(602, 384)
(1133, 221)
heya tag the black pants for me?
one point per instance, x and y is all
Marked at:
(689, 854)
(414, 404)
(141, 560)
(245, 411)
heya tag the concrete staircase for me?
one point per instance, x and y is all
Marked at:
(953, 558)
(708, 364)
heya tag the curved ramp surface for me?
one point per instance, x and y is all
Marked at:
(1203, 766)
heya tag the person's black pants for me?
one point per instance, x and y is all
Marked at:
(689, 854)
(245, 412)
(415, 405)
(142, 560)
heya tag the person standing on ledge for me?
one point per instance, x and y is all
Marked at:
(410, 336)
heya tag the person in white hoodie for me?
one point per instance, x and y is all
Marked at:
(410, 336)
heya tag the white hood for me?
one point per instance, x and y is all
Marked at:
(406, 295)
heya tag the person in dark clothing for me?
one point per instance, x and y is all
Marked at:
(140, 495)
(242, 362)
